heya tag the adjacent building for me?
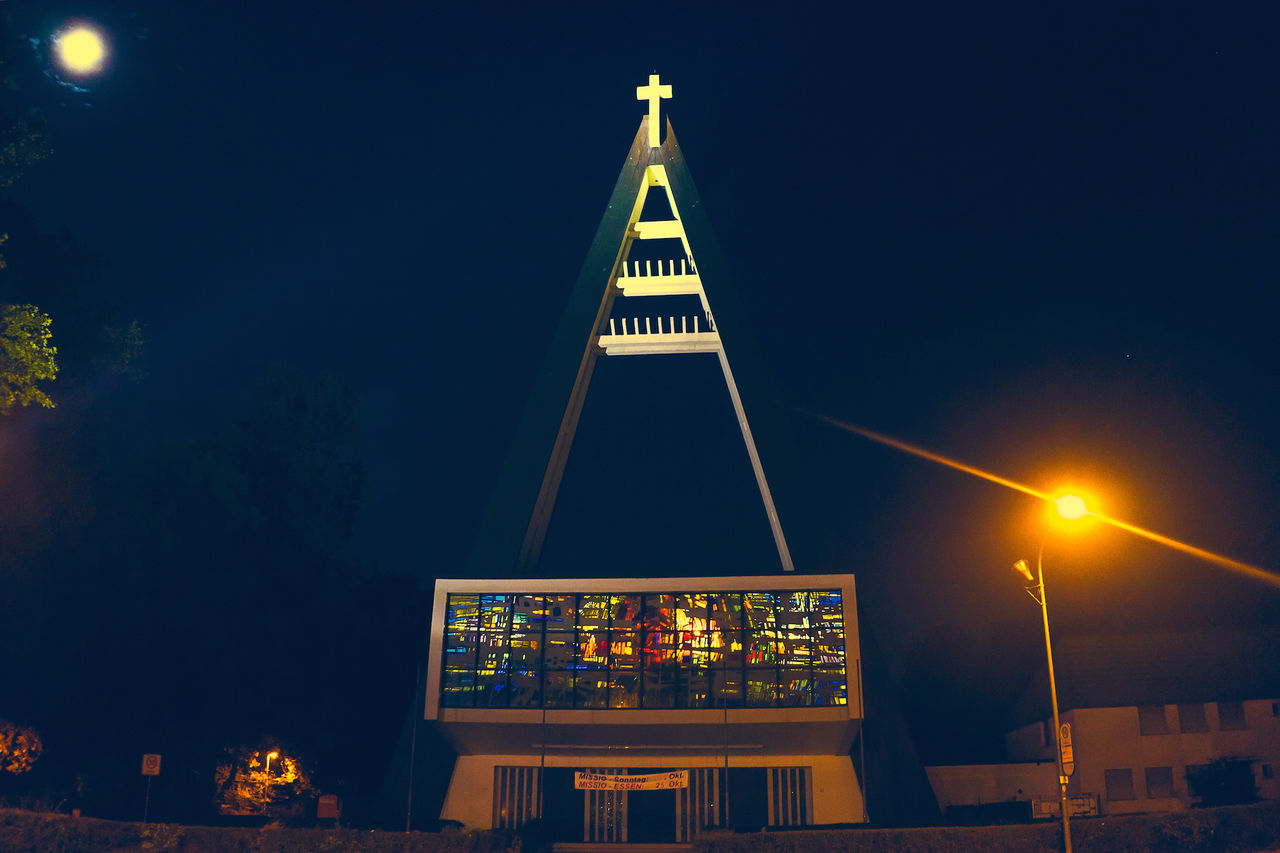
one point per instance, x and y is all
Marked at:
(1149, 715)
(1143, 758)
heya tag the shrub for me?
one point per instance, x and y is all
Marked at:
(1234, 829)
(30, 832)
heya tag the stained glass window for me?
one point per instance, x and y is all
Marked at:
(645, 650)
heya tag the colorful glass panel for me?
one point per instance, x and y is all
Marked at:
(652, 650)
(561, 612)
(462, 612)
(832, 688)
(593, 612)
(557, 689)
(759, 607)
(526, 690)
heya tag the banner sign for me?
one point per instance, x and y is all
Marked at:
(618, 782)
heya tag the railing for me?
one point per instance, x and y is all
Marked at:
(670, 328)
(687, 267)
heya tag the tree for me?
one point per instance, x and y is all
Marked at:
(262, 780)
(1223, 782)
(21, 147)
(20, 747)
(26, 357)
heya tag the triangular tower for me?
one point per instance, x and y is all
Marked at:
(642, 290)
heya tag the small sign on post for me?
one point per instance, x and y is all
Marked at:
(328, 807)
(1068, 754)
(150, 768)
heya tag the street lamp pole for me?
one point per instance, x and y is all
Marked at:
(1038, 595)
(266, 781)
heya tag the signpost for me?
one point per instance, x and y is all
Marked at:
(1068, 754)
(150, 768)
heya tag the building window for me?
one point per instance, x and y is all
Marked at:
(1191, 718)
(1152, 721)
(1159, 782)
(645, 650)
(1267, 772)
(1119, 784)
(1275, 709)
(1231, 716)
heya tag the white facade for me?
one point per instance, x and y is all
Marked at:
(1135, 759)
(984, 784)
(770, 765)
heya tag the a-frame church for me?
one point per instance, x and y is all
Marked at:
(640, 709)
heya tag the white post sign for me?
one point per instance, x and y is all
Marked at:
(1068, 753)
(630, 782)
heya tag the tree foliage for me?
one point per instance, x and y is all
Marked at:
(262, 780)
(20, 747)
(1224, 782)
(26, 357)
(21, 146)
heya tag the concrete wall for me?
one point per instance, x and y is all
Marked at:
(980, 784)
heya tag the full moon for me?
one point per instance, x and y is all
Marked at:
(80, 50)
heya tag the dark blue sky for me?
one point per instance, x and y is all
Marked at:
(1039, 240)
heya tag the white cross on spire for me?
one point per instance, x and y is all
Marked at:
(653, 93)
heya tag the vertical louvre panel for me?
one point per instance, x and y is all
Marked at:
(508, 798)
(499, 784)
(701, 805)
(686, 806)
(794, 801)
(522, 805)
(789, 797)
(604, 813)
(516, 796)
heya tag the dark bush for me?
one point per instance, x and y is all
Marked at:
(1234, 829)
(1225, 782)
(31, 832)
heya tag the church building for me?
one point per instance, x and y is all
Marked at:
(644, 709)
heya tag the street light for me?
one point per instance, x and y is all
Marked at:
(1069, 507)
(266, 780)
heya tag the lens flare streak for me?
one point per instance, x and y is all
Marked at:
(934, 457)
(1253, 572)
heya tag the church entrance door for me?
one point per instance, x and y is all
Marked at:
(651, 817)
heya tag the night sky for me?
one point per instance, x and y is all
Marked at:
(1040, 241)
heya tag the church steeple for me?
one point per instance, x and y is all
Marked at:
(595, 324)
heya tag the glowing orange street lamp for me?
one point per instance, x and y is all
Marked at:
(1070, 507)
(266, 777)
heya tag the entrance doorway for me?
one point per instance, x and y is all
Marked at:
(651, 816)
(712, 800)
(562, 805)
